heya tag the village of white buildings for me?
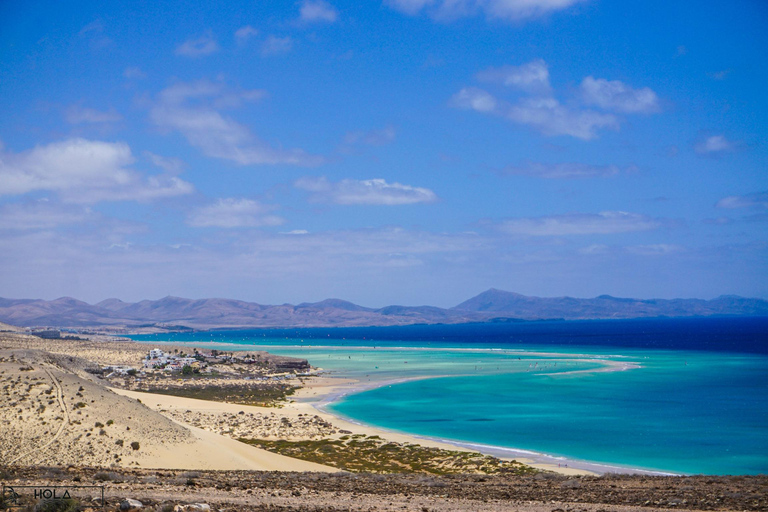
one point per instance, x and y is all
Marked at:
(200, 363)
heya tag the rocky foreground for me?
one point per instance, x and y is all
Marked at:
(278, 491)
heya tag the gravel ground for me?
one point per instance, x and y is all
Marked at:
(278, 491)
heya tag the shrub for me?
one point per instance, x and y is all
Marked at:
(135, 445)
(65, 505)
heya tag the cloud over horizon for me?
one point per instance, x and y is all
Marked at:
(565, 170)
(235, 213)
(603, 223)
(42, 214)
(364, 192)
(756, 200)
(84, 171)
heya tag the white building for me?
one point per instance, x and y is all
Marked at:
(156, 353)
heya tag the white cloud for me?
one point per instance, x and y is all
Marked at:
(640, 250)
(411, 7)
(192, 109)
(77, 114)
(368, 192)
(93, 32)
(472, 98)
(532, 77)
(565, 170)
(603, 223)
(243, 34)
(507, 10)
(94, 26)
(541, 110)
(205, 45)
(551, 118)
(169, 165)
(317, 11)
(720, 75)
(41, 214)
(97, 263)
(235, 213)
(378, 137)
(594, 249)
(616, 95)
(714, 145)
(134, 72)
(756, 200)
(653, 249)
(274, 45)
(545, 114)
(84, 171)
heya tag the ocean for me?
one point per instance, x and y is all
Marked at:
(685, 396)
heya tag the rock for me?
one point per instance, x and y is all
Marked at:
(571, 484)
(130, 504)
(194, 507)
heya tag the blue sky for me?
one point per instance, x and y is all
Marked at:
(396, 152)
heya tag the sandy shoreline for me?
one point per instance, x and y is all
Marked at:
(204, 418)
(331, 392)
(320, 393)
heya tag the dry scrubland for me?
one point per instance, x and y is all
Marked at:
(52, 416)
(251, 491)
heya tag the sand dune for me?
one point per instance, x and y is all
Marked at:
(55, 417)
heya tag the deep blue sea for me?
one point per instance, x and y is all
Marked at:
(673, 395)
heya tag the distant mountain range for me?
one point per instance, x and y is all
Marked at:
(174, 313)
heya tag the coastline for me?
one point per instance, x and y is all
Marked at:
(538, 460)
(334, 389)
(318, 393)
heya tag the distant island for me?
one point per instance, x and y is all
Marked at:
(174, 313)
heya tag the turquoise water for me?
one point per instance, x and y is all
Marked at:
(706, 417)
(682, 411)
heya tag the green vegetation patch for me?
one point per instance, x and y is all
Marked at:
(262, 394)
(372, 454)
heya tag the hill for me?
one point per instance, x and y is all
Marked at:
(508, 304)
(174, 313)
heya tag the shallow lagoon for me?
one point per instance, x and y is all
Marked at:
(672, 410)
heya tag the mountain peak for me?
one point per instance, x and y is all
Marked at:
(493, 300)
(334, 303)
